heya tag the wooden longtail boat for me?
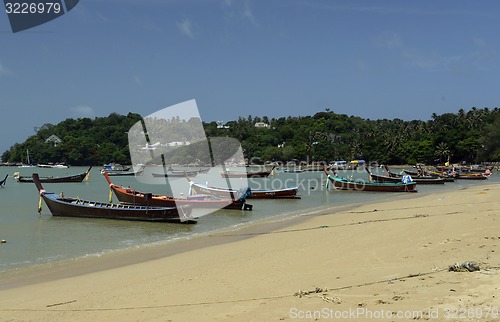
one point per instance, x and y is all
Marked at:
(467, 169)
(4, 181)
(130, 196)
(170, 174)
(347, 184)
(254, 174)
(124, 173)
(286, 193)
(71, 178)
(293, 170)
(417, 175)
(419, 180)
(471, 176)
(398, 178)
(75, 207)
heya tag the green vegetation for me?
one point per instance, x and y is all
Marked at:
(84, 142)
(472, 136)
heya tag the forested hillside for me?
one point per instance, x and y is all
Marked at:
(471, 136)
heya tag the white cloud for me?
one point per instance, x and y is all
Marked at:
(186, 28)
(248, 14)
(83, 111)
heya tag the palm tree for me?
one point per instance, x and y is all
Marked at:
(443, 152)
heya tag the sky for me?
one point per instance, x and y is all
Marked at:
(373, 59)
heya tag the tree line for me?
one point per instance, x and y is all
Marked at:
(471, 136)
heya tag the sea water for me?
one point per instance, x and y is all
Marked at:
(33, 238)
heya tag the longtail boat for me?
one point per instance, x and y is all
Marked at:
(4, 181)
(76, 207)
(124, 173)
(421, 174)
(176, 174)
(392, 177)
(71, 178)
(360, 185)
(130, 196)
(471, 176)
(285, 193)
(250, 174)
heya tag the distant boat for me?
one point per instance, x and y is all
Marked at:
(52, 166)
(293, 170)
(471, 176)
(139, 172)
(71, 178)
(28, 162)
(250, 174)
(115, 167)
(76, 207)
(175, 174)
(170, 172)
(360, 185)
(4, 181)
(398, 178)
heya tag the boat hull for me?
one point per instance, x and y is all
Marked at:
(346, 184)
(72, 207)
(75, 207)
(419, 180)
(67, 179)
(286, 193)
(254, 174)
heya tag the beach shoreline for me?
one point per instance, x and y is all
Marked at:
(66, 268)
(362, 256)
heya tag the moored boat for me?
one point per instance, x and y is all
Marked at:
(50, 179)
(472, 176)
(249, 174)
(124, 173)
(293, 170)
(130, 196)
(76, 207)
(285, 193)
(361, 185)
(392, 177)
(170, 174)
(423, 174)
(4, 181)
(115, 167)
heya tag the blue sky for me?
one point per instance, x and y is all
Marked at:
(373, 59)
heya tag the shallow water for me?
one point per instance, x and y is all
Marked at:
(33, 238)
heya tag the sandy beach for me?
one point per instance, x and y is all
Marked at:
(387, 261)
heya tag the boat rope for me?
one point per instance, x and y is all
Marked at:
(40, 201)
(299, 294)
(40, 204)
